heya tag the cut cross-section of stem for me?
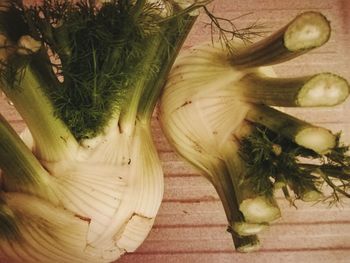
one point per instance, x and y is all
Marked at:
(305, 134)
(324, 89)
(307, 31)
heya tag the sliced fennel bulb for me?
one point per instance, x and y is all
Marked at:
(84, 183)
(214, 112)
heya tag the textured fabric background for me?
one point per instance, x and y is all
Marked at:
(191, 225)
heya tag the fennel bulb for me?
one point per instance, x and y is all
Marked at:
(85, 182)
(214, 112)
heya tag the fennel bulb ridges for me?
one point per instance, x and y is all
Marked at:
(115, 204)
(37, 218)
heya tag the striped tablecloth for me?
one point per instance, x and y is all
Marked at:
(191, 224)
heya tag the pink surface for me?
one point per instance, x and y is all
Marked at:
(191, 225)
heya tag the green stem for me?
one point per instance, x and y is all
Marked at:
(323, 89)
(307, 31)
(174, 40)
(53, 141)
(144, 72)
(61, 44)
(21, 170)
(161, 53)
(223, 185)
(304, 134)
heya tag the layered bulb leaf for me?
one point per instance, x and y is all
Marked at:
(216, 110)
(94, 207)
(84, 182)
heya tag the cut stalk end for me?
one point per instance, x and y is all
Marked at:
(311, 196)
(303, 133)
(317, 139)
(307, 31)
(259, 210)
(247, 229)
(323, 90)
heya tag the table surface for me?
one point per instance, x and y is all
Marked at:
(191, 224)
